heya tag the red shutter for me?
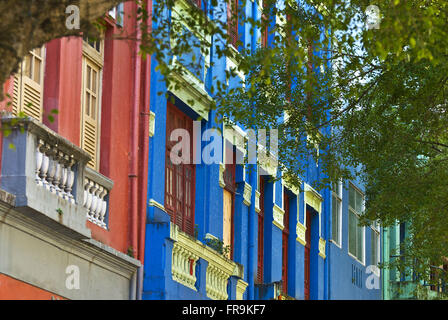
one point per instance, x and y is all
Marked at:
(261, 234)
(179, 179)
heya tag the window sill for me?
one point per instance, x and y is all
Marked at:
(336, 244)
(357, 260)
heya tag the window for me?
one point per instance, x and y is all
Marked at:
(116, 13)
(232, 18)
(229, 197)
(375, 246)
(179, 178)
(92, 64)
(336, 213)
(27, 94)
(355, 232)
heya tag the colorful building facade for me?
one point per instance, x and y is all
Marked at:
(228, 231)
(407, 286)
(93, 207)
(72, 193)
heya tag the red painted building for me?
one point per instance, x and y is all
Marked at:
(73, 190)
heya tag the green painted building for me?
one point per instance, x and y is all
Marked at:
(400, 287)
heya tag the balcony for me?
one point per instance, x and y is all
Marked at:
(186, 253)
(96, 197)
(48, 176)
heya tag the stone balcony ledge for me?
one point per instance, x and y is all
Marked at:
(47, 175)
(185, 255)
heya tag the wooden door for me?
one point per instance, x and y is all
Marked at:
(285, 236)
(228, 208)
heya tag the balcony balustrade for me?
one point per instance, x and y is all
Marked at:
(185, 256)
(48, 176)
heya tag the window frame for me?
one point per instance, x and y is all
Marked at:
(93, 58)
(362, 228)
(376, 231)
(172, 209)
(338, 196)
(21, 81)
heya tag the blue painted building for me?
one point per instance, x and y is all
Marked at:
(227, 231)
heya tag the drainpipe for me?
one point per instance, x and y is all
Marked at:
(133, 174)
(144, 166)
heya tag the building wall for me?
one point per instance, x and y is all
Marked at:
(62, 91)
(330, 272)
(348, 277)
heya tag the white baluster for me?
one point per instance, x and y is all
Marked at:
(44, 168)
(58, 172)
(89, 185)
(70, 180)
(63, 182)
(50, 175)
(103, 209)
(94, 201)
(99, 203)
(39, 159)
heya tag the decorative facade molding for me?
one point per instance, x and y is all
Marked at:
(240, 289)
(192, 87)
(222, 168)
(247, 194)
(152, 123)
(278, 214)
(269, 164)
(257, 201)
(186, 253)
(322, 244)
(236, 136)
(301, 230)
(291, 187)
(154, 203)
(313, 198)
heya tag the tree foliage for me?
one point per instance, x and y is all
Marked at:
(373, 99)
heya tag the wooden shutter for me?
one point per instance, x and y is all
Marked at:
(91, 96)
(285, 236)
(16, 94)
(28, 85)
(180, 178)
